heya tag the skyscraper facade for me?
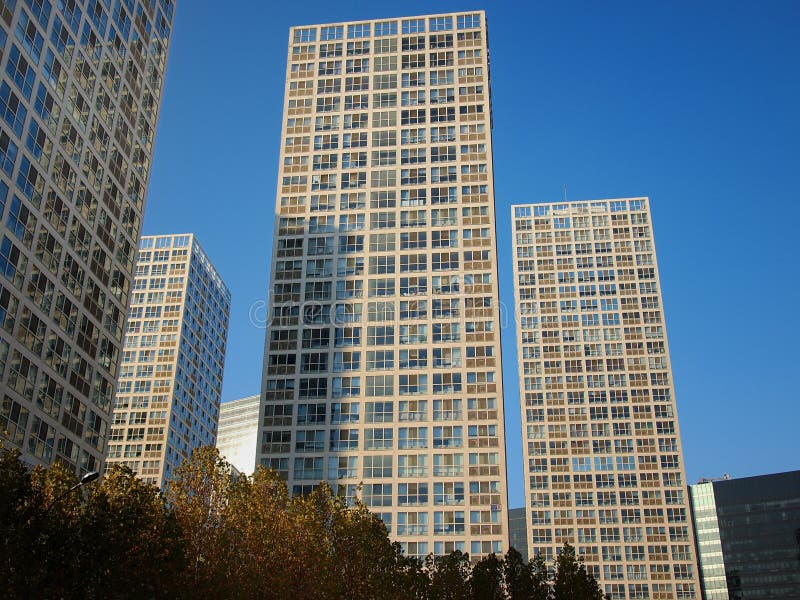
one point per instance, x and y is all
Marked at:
(382, 361)
(170, 380)
(748, 536)
(80, 89)
(601, 443)
(237, 434)
(518, 530)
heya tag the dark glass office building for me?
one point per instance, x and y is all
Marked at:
(518, 531)
(748, 536)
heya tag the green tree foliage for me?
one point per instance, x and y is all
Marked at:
(540, 578)
(571, 578)
(487, 579)
(214, 534)
(449, 576)
(517, 577)
(115, 539)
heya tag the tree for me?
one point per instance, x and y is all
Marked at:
(261, 536)
(487, 579)
(198, 496)
(449, 576)
(113, 538)
(540, 578)
(517, 576)
(130, 543)
(572, 580)
(216, 535)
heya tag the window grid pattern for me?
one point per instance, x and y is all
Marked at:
(387, 160)
(601, 445)
(170, 381)
(79, 99)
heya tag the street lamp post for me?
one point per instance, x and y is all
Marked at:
(88, 478)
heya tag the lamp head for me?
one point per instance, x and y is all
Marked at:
(89, 477)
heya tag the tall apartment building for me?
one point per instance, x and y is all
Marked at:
(237, 435)
(382, 360)
(600, 429)
(170, 379)
(80, 88)
(748, 536)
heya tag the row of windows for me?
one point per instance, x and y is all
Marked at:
(447, 409)
(386, 28)
(325, 68)
(381, 439)
(413, 79)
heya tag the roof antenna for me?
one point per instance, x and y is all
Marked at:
(565, 192)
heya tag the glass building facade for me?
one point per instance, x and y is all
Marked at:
(382, 362)
(748, 536)
(518, 531)
(709, 547)
(80, 89)
(601, 445)
(170, 380)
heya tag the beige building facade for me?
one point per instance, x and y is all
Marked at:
(601, 444)
(382, 363)
(170, 381)
(80, 90)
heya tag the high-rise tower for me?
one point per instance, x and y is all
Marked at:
(170, 380)
(80, 88)
(237, 434)
(600, 429)
(382, 360)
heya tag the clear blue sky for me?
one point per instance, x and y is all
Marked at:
(694, 104)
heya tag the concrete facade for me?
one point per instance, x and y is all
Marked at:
(601, 442)
(382, 362)
(170, 381)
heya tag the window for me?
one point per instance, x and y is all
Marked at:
(379, 385)
(344, 439)
(20, 71)
(440, 23)
(468, 21)
(304, 35)
(448, 437)
(359, 30)
(378, 439)
(379, 412)
(413, 309)
(331, 33)
(380, 311)
(377, 466)
(341, 467)
(380, 336)
(380, 359)
(308, 468)
(377, 494)
(385, 46)
(8, 153)
(413, 26)
(12, 111)
(413, 359)
(412, 438)
(345, 361)
(344, 412)
(413, 384)
(310, 440)
(344, 387)
(412, 494)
